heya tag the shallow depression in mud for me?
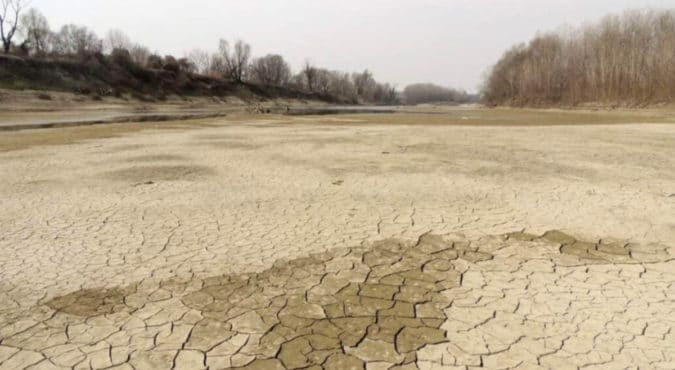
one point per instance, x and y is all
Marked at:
(160, 173)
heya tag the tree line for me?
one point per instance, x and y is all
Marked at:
(623, 59)
(429, 93)
(26, 32)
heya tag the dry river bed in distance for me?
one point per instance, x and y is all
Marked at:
(436, 238)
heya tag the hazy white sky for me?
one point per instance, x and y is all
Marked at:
(451, 42)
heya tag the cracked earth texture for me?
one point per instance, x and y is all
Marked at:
(286, 245)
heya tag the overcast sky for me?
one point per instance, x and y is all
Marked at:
(450, 42)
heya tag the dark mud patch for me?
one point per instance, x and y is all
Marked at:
(600, 251)
(92, 302)
(347, 306)
(143, 174)
(343, 308)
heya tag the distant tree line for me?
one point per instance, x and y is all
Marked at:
(232, 61)
(624, 59)
(430, 93)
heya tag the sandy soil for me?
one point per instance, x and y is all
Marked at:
(341, 242)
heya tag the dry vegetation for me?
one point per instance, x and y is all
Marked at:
(627, 59)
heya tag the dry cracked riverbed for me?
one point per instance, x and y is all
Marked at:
(293, 243)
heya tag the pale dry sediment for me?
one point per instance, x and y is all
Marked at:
(133, 228)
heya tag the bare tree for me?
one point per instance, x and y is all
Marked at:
(217, 67)
(77, 40)
(116, 39)
(139, 54)
(365, 85)
(201, 59)
(34, 28)
(236, 59)
(10, 11)
(309, 73)
(430, 93)
(271, 70)
(322, 82)
(342, 87)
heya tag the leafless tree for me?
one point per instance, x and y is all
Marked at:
(342, 87)
(77, 40)
(309, 74)
(365, 85)
(139, 54)
(34, 28)
(10, 11)
(217, 67)
(271, 70)
(201, 59)
(236, 59)
(386, 94)
(430, 93)
(297, 82)
(322, 81)
(116, 39)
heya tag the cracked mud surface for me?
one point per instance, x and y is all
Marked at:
(265, 245)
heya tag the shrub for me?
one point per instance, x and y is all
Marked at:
(171, 64)
(122, 58)
(155, 62)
